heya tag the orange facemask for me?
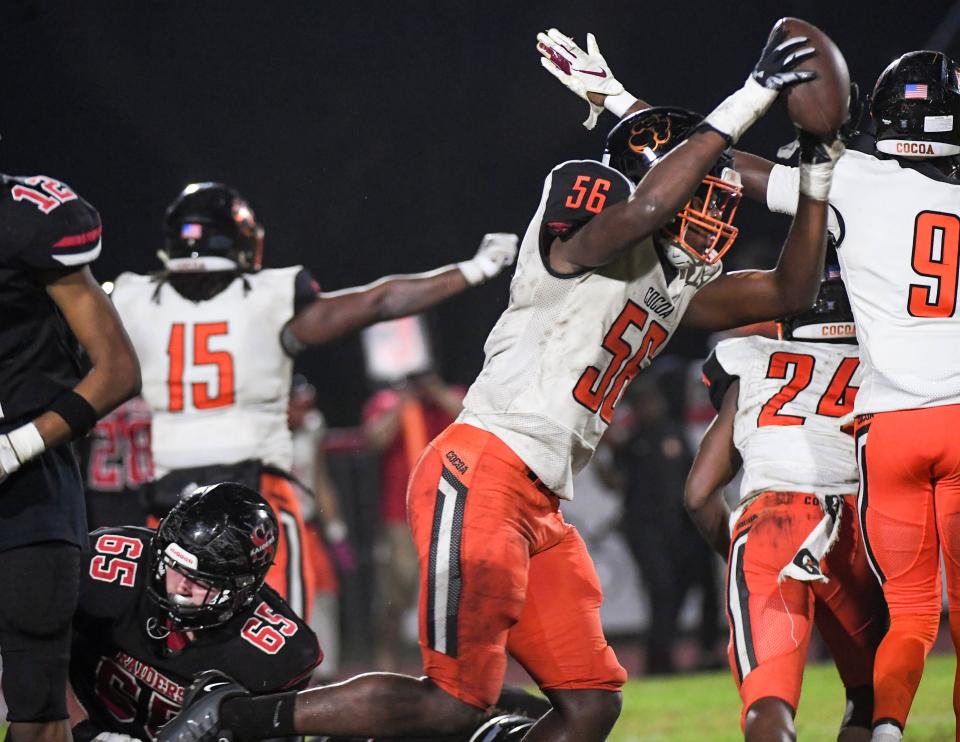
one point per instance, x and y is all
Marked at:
(704, 226)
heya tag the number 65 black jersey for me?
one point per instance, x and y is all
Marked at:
(131, 683)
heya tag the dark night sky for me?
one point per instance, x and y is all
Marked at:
(371, 138)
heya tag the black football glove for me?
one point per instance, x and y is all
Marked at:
(774, 70)
(199, 721)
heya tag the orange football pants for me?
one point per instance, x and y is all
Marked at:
(501, 570)
(909, 504)
(770, 621)
(291, 574)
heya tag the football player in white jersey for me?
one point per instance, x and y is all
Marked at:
(615, 257)
(793, 547)
(894, 214)
(216, 337)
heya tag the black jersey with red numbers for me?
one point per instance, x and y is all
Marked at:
(46, 230)
(130, 683)
(115, 461)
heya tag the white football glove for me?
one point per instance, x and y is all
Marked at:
(113, 737)
(17, 447)
(582, 71)
(497, 250)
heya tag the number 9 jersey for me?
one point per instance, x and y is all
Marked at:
(561, 355)
(897, 225)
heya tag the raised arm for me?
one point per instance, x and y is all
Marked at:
(673, 181)
(715, 465)
(337, 313)
(587, 75)
(744, 297)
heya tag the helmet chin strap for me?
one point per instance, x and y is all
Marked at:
(155, 630)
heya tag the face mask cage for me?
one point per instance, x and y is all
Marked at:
(704, 226)
(223, 596)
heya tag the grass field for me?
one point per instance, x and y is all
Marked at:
(705, 707)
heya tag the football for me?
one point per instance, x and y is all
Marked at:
(821, 105)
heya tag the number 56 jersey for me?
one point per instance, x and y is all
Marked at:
(898, 230)
(130, 683)
(795, 400)
(561, 355)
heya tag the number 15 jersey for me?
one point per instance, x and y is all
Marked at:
(566, 347)
(898, 232)
(215, 374)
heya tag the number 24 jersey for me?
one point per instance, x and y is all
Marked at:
(794, 403)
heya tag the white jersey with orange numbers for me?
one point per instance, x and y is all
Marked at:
(561, 355)
(214, 372)
(795, 399)
(898, 227)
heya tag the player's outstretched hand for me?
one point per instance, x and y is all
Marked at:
(199, 721)
(582, 71)
(773, 72)
(497, 251)
(775, 68)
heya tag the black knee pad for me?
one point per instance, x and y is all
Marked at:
(39, 586)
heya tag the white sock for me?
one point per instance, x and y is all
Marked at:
(886, 732)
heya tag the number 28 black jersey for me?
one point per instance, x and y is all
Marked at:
(45, 229)
(130, 683)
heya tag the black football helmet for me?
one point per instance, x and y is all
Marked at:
(915, 106)
(506, 728)
(830, 319)
(210, 227)
(704, 226)
(224, 537)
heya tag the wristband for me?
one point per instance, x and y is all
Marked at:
(619, 104)
(471, 271)
(77, 412)
(26, 442)
(815, 180)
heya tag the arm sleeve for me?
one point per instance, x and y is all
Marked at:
(717, 379)
(578, 192)
(783, 189)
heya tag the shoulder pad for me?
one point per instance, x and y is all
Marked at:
(48, 225)
(717, 379)
(579, 190)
